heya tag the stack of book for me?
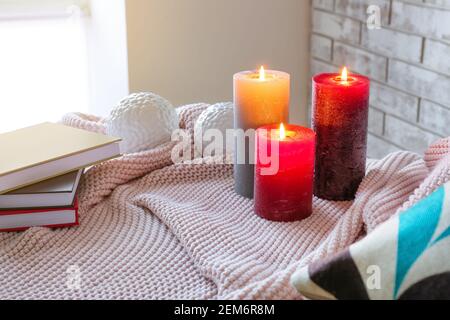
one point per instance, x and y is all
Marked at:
(40, 169)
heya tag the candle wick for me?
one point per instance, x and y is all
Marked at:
(262, 74)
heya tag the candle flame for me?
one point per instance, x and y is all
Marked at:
(282, 132)
(344, 74)
(262, 74)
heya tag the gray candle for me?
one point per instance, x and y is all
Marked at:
(260, 98)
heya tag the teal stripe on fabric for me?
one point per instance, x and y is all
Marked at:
(444, 235)
(416, 228)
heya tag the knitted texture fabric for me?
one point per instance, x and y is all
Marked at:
(150, 229)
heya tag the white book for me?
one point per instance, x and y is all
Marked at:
(44, 151)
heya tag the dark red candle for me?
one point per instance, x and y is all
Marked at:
(340, 117)
(284, 172)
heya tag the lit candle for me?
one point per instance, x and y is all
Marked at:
(260, 98)
(340, 118)
(284, 172)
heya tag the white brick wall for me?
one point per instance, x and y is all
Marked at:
(408, 61)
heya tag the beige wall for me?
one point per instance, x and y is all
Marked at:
(188, 50)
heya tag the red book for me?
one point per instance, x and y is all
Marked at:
(19, 220)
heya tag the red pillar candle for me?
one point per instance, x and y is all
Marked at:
(340, 118)
(284, 172)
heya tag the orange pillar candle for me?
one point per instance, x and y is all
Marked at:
(260, 98)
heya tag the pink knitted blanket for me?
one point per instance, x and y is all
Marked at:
(153, 230)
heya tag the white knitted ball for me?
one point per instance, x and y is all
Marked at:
(217, 116)
(143, 121)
